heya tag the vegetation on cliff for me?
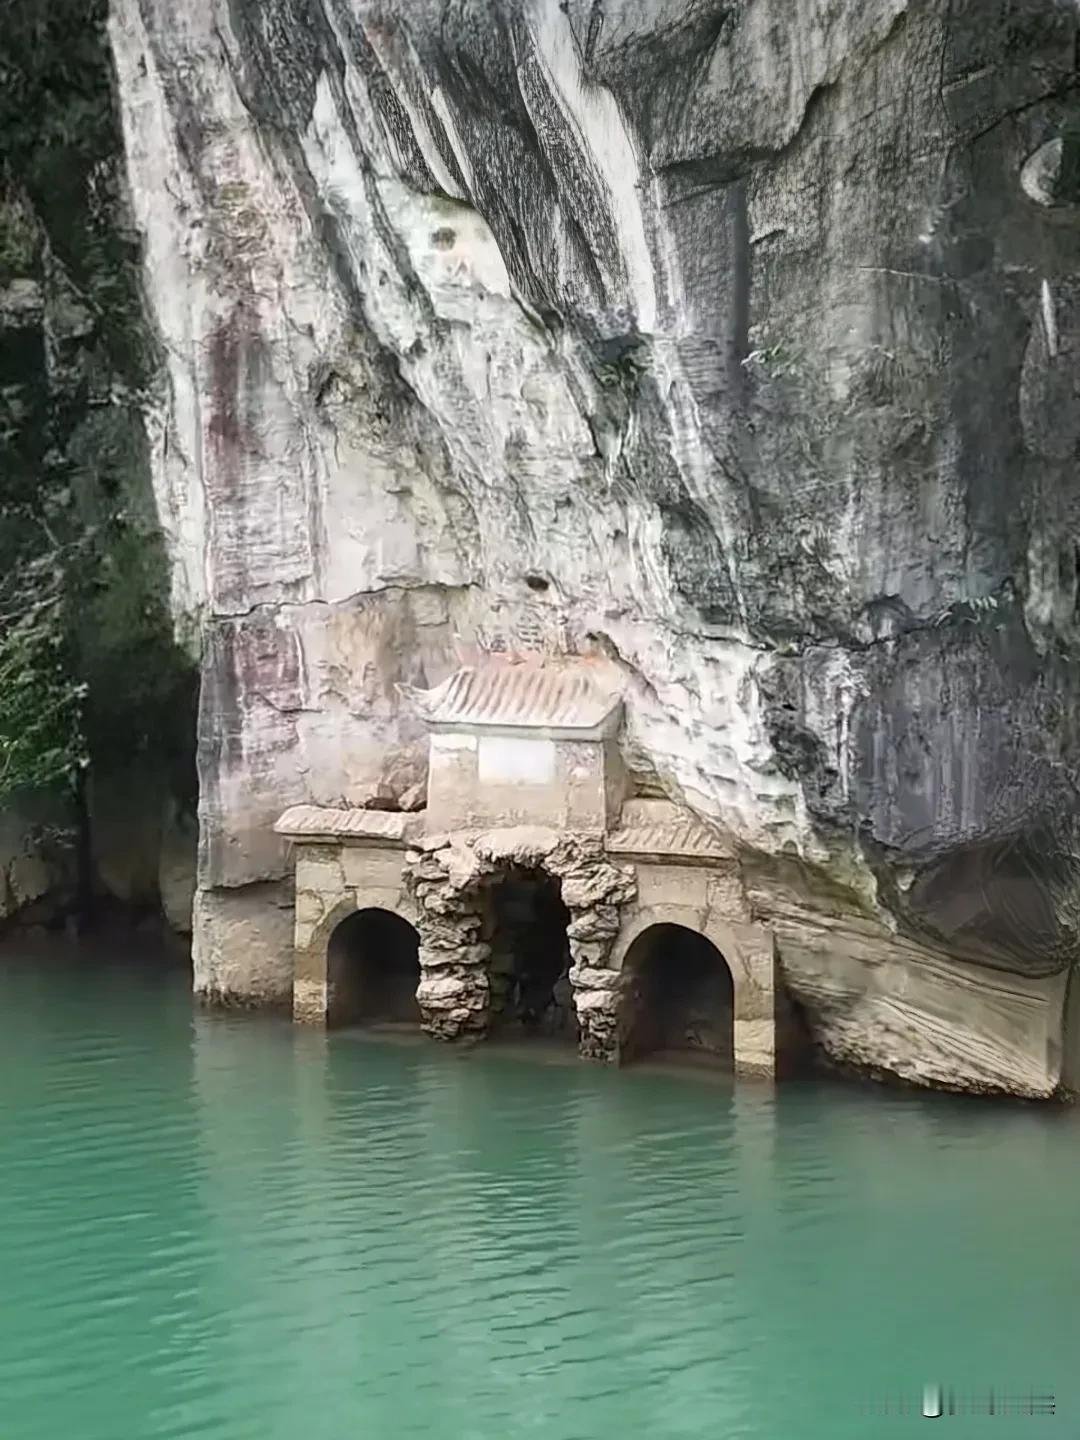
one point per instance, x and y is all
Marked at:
(90, 678)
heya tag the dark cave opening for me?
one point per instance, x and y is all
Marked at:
(530, 956)
(372, 971)
(679, 997)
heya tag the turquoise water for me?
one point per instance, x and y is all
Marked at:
(222, 1227)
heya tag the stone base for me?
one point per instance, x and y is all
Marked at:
(233, 1000)
(755, 1049)
(454, 1007)
(309, 1002)
(243, 946)
(597, 1012)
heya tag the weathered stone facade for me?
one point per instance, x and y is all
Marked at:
(684, 877)
(658, 866)
(345, 862)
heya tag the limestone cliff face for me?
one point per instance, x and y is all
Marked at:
(735, 339)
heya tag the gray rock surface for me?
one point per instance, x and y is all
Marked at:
(736, 339)
(176, 869)
(37, 869)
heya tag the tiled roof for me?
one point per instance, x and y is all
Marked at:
(575, 695)
(658, 827)
(316, 822)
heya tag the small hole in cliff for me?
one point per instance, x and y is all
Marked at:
(1051, 176)
(443, 238)
(537, 583)
(715, 614)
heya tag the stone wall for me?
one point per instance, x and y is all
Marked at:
(333, 882)
(711, 902)
(444, 885)
(482, 780)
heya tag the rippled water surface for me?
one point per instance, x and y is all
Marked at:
(223, 1227)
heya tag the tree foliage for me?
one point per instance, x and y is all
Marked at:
(41, 702)
(89, 673)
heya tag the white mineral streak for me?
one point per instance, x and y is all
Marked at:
(387, 424)
(1049, 319)
(594, 116)
(159, 211)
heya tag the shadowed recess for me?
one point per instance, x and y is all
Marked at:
(679, 997)
(531, 955)
(373, 970)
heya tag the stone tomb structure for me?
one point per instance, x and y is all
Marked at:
(532, 893)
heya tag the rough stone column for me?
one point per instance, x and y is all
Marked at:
(593, 890)
(454, 993)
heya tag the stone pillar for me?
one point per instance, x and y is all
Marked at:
(320, 890)
(454, 994)
(755, 1003)
(593, 890)
(597, 1004)
(310, 998)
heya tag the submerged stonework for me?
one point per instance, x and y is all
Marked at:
(535, 741)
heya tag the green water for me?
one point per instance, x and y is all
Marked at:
(222, 1227)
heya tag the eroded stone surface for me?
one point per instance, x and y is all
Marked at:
(35, 869)
(451, 887)
(734, 343)
(243, 946)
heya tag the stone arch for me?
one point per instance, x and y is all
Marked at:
(749, 954)
(372, 967)
(690, 918)
(348, 900)
(677, 994)
(450, 883)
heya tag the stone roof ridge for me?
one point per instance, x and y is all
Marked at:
(315, 822)
(565, 693)
(661, 827)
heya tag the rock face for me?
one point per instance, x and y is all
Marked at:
(734, 340)
(37, 870)
(79, 537)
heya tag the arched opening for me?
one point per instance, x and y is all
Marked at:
(372, 971)
(530, 956)
(678, 998)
